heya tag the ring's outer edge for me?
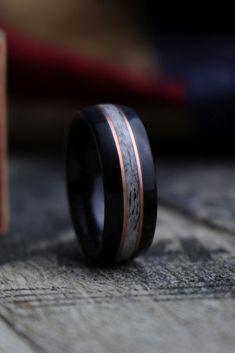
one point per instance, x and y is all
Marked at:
(111, 174)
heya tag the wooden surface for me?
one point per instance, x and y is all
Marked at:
(179, 297)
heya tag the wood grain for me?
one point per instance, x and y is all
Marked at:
(178, 297)
(204, 190)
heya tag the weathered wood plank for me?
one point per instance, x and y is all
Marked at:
(10, 341)
(132, 326)
(204, 190)
(178, 297)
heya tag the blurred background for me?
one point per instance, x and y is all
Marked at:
(63, 55)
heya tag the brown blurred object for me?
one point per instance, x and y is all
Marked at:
(103, 30)
(64, 55)
(3, 138)
(109, 32)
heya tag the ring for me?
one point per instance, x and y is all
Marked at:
(111, 183)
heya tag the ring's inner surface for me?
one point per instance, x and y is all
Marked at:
(85, 185)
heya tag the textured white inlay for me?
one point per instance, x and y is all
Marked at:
(131, 180)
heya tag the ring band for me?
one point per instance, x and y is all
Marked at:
(111, 183)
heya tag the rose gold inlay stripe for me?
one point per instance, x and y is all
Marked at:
(125, 196)
(141, 188)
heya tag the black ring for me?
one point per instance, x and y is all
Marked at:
(111, 183)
